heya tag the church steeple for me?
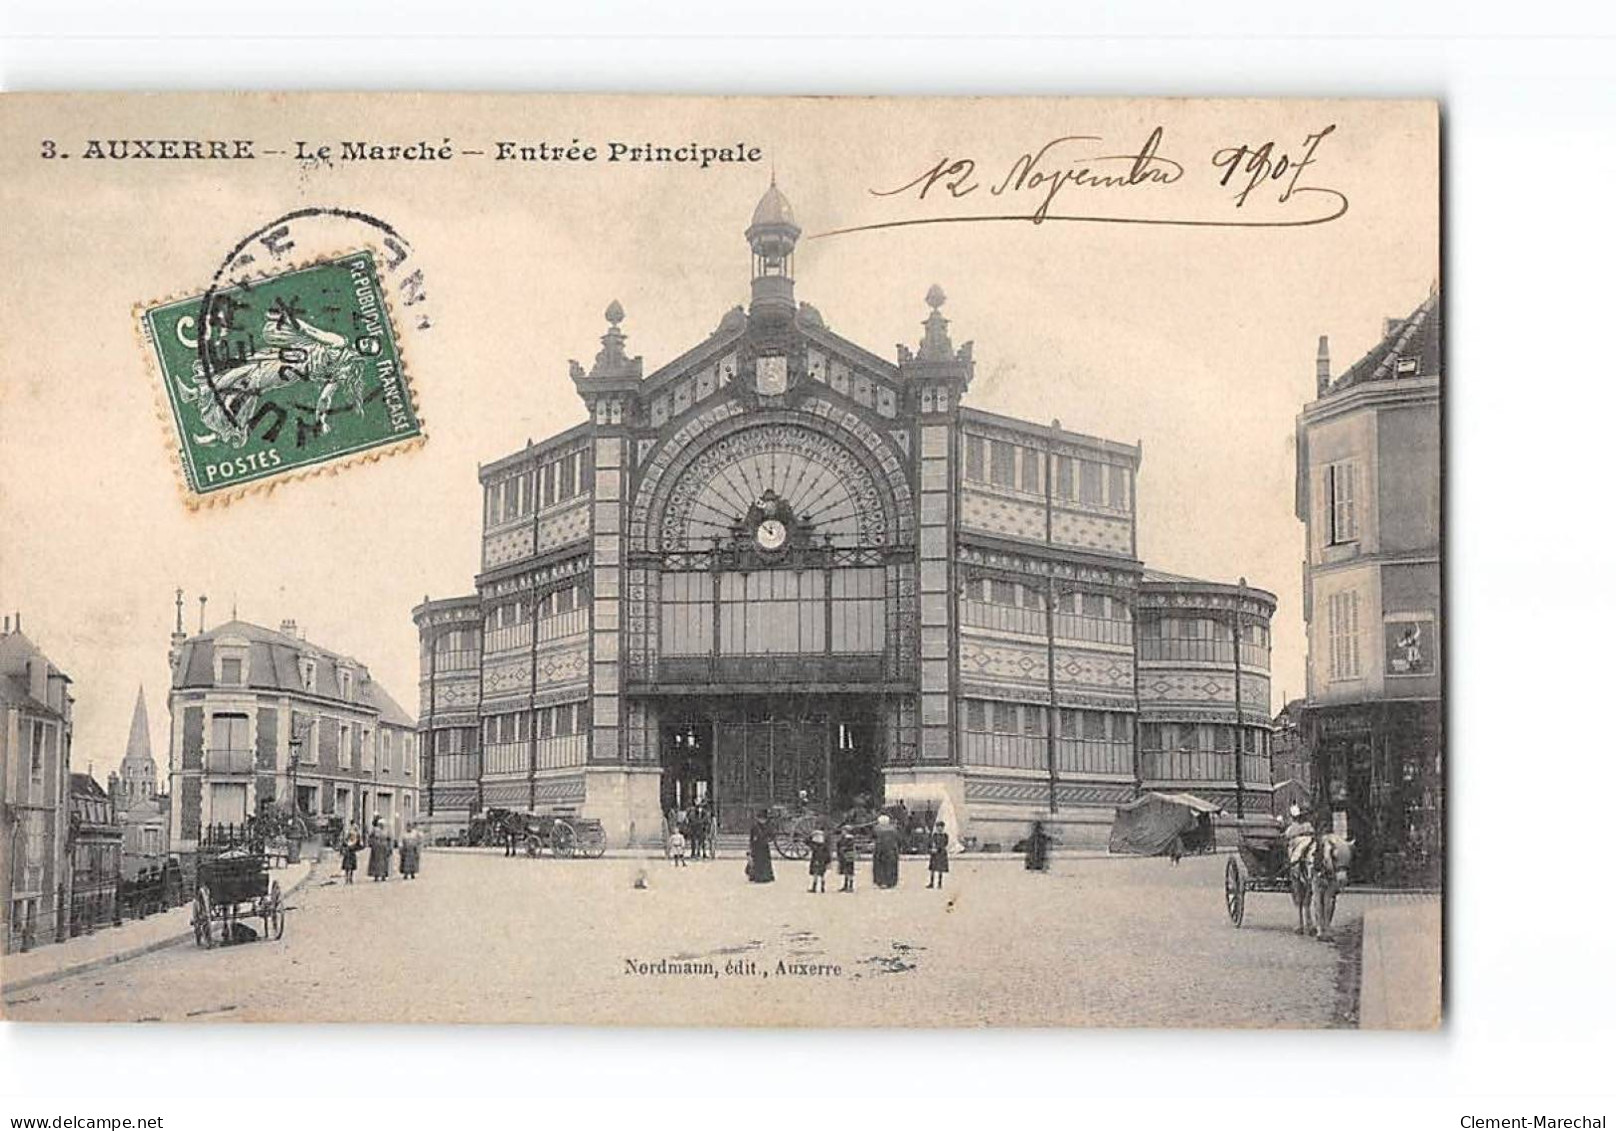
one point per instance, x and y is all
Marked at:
(773, 235)
(137, 776)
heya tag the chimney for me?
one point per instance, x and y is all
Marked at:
(1323, 364)
(8, 626)
(1389, 327)
(202, 614)
(288, 627)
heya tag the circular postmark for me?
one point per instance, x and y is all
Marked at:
(245, 348)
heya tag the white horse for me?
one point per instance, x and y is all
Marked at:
(1318, 869)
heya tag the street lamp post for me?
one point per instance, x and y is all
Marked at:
(1239, 729)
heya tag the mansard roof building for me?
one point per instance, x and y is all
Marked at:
(780, 564)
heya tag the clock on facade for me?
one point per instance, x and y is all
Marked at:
(771, 534)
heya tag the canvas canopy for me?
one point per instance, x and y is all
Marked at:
(1147, 826)
(924, 795)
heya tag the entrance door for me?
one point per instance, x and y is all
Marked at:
(773, 750)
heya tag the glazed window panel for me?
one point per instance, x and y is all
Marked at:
(858, 611)
(1090, 490)
(1032, 471)
(1002, 463)
(1065, 473)
(1120, 489)
(687, 614)
(974, 462)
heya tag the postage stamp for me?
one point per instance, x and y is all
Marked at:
(276, 377)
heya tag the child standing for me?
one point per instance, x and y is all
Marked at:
(350, 854)
(846, 856)
(937, 845)
(676, 847)
(818, 861)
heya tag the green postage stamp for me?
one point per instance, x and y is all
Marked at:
(281, 376)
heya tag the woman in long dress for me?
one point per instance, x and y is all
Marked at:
(381, 851)
(759, 863)
(409, 853)
(884, 862)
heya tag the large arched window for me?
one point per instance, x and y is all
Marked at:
(772, 540)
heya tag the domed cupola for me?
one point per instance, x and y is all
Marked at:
(773, 235)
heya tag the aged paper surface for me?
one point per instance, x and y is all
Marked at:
(1090, 633)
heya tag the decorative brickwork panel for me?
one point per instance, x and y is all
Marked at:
(1110, 671)
(507, 678)
(1091, 531)
(508, 546)
(564, 527)
(268, 724)
(1157, 686)
(455, 693)
(1001, 515)
(984, 660)
(191, 740)
(190, 808)
(560, 791)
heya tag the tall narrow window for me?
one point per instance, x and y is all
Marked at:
(1343, 626)
(1090, 483)
(1340, 486)
(1032, 467)
(1065, 488)
(973, 458)
(1119, 488)
(1002, 463)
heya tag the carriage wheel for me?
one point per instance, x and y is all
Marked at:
(1234, 891)
(792, 841)
(592, 843)
(274, 911)
(564, 839)
(202, 918)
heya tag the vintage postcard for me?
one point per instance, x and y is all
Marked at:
(839, 562)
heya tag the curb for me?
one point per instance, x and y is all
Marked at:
(106, 960)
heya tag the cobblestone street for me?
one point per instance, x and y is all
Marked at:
(481, 938)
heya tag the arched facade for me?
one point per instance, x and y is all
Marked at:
(781, 567)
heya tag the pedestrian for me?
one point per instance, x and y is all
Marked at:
(381, 851)
(818, 861)
(846, 856)
(884, 859)
(676, 847)
(350, 854)
(409, 852)
(759, 863)
(937, 846)
(1038, 848)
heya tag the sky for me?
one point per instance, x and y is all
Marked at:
(1196, 342)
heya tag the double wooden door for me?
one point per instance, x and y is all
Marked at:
(765, 758)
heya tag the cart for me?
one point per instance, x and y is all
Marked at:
(1261, 863)
(231, 886)
(790, 830)
(563, 835)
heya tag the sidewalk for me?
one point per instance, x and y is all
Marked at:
(1401, 985)
(118, 944)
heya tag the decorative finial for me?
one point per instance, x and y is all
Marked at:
(614, 312)
(935, 297)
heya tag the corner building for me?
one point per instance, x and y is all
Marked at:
(781, 563)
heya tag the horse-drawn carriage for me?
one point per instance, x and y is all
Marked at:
(791, 828)
(230, 886)
(1309, 867)
(562, 835)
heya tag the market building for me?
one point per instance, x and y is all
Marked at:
(36, 742)
(1368, 488)
(782, 564)
(262, 716)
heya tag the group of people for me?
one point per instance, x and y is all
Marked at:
(690, 832)
(884, 854)
(379, 841)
